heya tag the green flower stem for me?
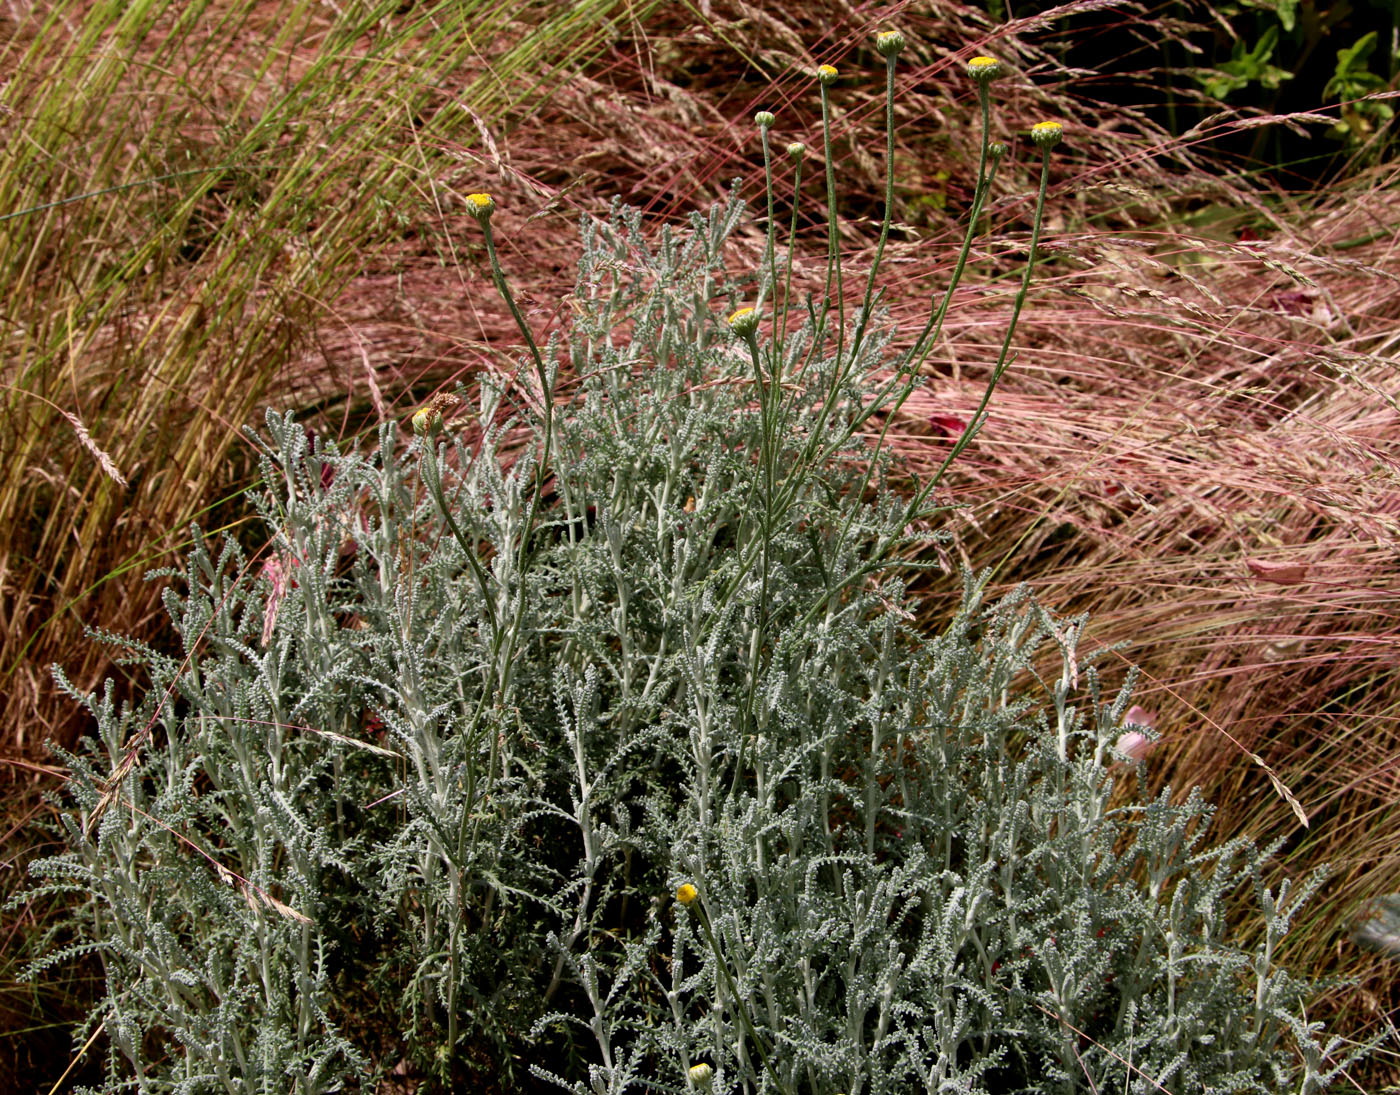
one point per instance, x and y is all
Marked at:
(906, 374)
(934, 327)
(889, 205)
(780, 327)
(546, 388)
(769, 258)
(833, 256)
(1003, 358)
(769, 396)
(733, 988)
(912, 509)
(504, 640)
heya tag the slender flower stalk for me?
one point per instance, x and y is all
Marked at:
(888, 44)
(798, 151)
(984, 70)
(697, 907)
(482, 206)
(913, 508)
(1003, 358)
(504, 639)
(744, 323)
(765, 120)
(826, 76)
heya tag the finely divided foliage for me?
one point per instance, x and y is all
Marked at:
(420, 783)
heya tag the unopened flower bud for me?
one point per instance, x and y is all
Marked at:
(826, 75)
(1133, 746)
(888, 43)
(481, 206)
(744, 322)
(984, 69)
(700, 1074)
(1047, 134)
(764, 119)
(797, 150)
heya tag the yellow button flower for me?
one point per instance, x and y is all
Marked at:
(888, 43)
(744, 322)
(480, 206)
(984, 69)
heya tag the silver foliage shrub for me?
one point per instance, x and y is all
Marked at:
(418, 791)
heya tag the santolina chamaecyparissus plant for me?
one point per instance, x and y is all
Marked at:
(418, 797)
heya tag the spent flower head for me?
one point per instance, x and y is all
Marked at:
(686, 893)
(764, 119)
(888, 43)
(984, 69)
(826, 75)
(481, 206)
(744, 322)
(1047, 134)
(428, 419)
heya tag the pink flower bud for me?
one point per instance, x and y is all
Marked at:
(1139, 716)
(1133, 746)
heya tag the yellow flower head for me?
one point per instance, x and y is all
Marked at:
(480, 206)
(984, 69)
(1047, 134)
(888, 43)
(686, 893)
(826, 75)
(744, 322)
(700, 1074)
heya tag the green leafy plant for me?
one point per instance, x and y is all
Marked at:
(1245, 66)
(1353, 80)
(418, 784)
